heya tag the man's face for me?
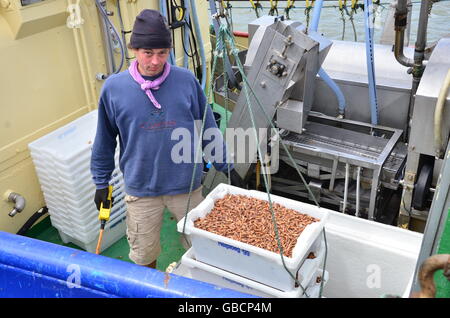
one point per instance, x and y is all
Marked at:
(151, 61)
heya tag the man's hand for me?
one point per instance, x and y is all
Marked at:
(235, 179)
(101, 196)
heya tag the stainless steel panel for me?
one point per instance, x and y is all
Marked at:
(346, 65)
(290, 115)
(336, 142)
(285, 56)
(422, 128)
(392, 103)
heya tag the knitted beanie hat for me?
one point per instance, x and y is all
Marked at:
(150, 31)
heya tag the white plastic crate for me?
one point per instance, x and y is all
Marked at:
(91, 232)
(62, 162)
(112, 234)
(241, 258)
(68, 142)
(89, 211)
(213, 275)
(86, 223)
(61, 225)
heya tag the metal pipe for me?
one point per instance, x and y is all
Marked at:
(438, 112)
(344, 207)
(358, 178)
(421, 40)
(417, 63)
(402, 6)
(398, 48)
(19, 203)
(85, 79)
(198, 32)
(401, 21)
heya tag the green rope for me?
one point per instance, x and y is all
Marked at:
(353, 23)
(225, 85)
(307, 10)
(224, 37)
(247, 86)
(199, 146)
(343, 23)
(247, 97)
(241, 70)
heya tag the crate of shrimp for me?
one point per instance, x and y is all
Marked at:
(234, 229)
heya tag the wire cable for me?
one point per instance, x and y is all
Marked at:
(106, 19)
(225, 36)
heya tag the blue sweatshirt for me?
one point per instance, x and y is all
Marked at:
(149, 137)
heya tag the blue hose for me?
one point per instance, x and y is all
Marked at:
(323, 75)
(163, 9)
(316, 15)
(337, 91)
(370, 62)
(199, 37)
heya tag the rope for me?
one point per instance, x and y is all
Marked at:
(308, 8)
(273, 8)
(342, 17)
(256, 6)
(352, 11)
(225, 33)
(244, 77)
(225, 37)
(199, 146)
(289, 7)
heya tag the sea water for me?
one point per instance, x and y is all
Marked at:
(332, 25)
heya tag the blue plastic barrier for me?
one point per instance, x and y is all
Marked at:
(33, 268)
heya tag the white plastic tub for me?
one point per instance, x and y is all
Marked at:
(90, 232)
(247, 260)
(113, 232)
(62, 162)
(213, 275)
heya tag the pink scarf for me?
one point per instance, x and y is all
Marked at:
(147, 86)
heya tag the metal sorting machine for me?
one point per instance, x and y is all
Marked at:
(349, 164)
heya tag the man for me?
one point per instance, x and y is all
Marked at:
(143, 106)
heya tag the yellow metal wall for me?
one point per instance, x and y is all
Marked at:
(47, 79)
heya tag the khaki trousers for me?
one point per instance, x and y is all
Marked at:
(144, 221)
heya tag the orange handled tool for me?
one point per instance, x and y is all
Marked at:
(103, 216)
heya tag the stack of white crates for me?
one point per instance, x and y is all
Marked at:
(250, 269)
(62, 162)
